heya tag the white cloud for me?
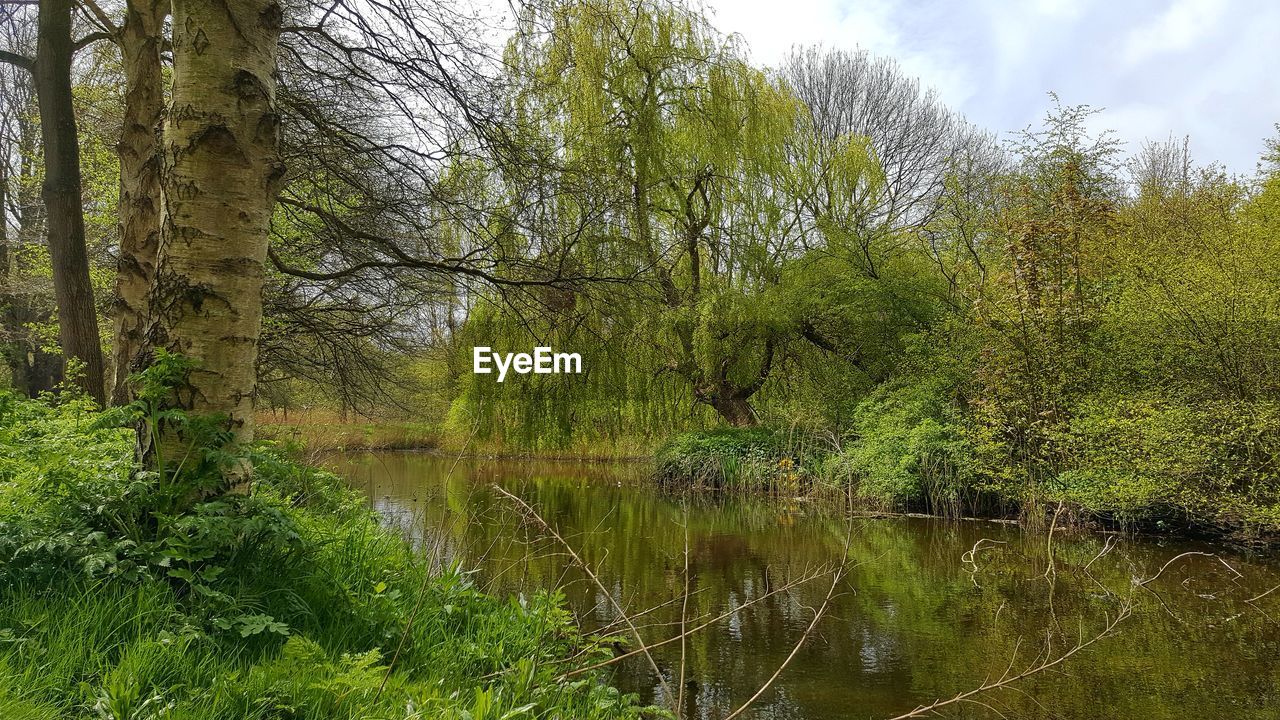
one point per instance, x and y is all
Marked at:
(1160, 67)
(1177, 29)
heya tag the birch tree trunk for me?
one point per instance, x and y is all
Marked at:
(140, 38)
(77, 315)
(221, 176)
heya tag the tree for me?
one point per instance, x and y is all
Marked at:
(222, 173)
(683, 139)
(913, 136)
(705, 180)
(140, 38)
(51, 70)
(26, 302)
(1041, 306)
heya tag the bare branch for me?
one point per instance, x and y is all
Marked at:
(101, 16)
(17, 60)
(577, 559)
(90, 39)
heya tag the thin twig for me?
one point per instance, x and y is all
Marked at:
(422, 587)
(1037, 666)
(696, 628)
(684, 614)
(1052, 569)
(817, 617)
(1110, 627)
(532, 513)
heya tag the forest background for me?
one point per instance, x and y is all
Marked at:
(816, 265)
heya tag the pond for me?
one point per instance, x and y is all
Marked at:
(926, 609)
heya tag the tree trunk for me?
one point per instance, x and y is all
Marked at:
(77, 316)
(734, 409)
(221, 176)
(139, 150)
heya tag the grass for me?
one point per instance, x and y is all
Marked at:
(739, 459)
(327, 431)
(288, 602)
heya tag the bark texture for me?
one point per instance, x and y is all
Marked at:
(140, 39)
(77, 317)
(221, 176)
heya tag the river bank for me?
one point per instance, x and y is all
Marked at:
(911, 479)
(323, 431)
(127, 593)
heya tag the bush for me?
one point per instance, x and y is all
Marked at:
(909, 449)
(1144, 458)
(121, 597)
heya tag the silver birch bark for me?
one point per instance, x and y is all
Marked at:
(221, 176)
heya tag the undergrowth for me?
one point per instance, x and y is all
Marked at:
(746, 459)
(131, 592)
(1136, 462)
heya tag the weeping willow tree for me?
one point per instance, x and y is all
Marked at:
(702, 183)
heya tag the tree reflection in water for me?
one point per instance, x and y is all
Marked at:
(920, 615)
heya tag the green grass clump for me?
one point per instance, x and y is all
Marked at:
(127, 594)
(742, 458)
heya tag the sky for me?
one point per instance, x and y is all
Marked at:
(1208, 69)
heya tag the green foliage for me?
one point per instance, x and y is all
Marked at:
(286, 602)
(909, 448)
(1144, 457)
(703, 181)
(1050, 334)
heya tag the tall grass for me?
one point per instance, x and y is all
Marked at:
(759, 459)
(326, 431)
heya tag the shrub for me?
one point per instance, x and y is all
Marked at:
(909, 448)
(1148, 457)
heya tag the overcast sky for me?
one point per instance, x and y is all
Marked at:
(1205, 68)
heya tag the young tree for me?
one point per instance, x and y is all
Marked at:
(1040, 307)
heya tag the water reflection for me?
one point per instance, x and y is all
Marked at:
(923, 613)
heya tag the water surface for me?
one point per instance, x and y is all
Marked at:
(919, 616)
